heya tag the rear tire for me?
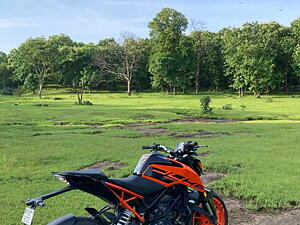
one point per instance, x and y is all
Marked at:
(85, 221)
(221, 211)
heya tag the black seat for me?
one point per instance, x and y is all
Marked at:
(137, 184)
(90, 173)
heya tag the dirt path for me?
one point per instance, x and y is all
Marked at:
(239, 215)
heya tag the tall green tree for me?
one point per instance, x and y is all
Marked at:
(208, 60)
(34, 62)
(166, 60)
(250, 55)
(6, 75)
(2, 57)
(296, 58)
(295, 27)
(122, 61)
(76, 68)
(141, 79)
(185, 75)
(284, 59)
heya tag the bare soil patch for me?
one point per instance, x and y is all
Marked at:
(211, 176)
(44, 105)
(204, 134)
(95, 125)
(105, 164)
(56, 119)
(182, 120)
(45, 134)
(152, 130)
(57, 98)
(203, 154)
(239, 215)
(94, 132)
(63, 124)
(205, 120)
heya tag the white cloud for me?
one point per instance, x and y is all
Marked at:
(8, 23)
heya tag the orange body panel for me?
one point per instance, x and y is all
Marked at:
(176, 175)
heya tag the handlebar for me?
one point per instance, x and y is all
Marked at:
(188, 147)
(147, 147)
(202, 146)
(158, 147)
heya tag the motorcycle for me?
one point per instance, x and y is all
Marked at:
(165, 189)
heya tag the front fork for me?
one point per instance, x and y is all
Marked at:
(209, 205)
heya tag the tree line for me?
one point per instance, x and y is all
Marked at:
(257, 57)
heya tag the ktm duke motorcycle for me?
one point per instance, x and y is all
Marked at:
(165, 189)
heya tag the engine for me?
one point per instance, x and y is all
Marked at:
(168, 209)
(163, 214)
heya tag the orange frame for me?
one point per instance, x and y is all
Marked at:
(124, 202)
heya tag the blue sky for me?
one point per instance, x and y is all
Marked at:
(92, 20)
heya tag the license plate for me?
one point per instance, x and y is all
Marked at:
(27, 216)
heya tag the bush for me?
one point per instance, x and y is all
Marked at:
(227, 107)
(7, 91)
(269, 100)
(204, 102)
(87, 103)
(19, 91)
(243, 107)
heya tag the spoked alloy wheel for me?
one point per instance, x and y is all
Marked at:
(221, 211)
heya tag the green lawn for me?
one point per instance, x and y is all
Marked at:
(261, 158)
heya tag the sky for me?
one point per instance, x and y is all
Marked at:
(93, 20)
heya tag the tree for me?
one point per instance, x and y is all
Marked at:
(122, 61)
(34, 61)
(6, 78)
(186, 70)
(2, 57)
(166, 60)
(296, 58)
(141, 79)
(198, 48)
(208, 59)
(295, 27)
(250, 55)
(76, 68)
(284, 59)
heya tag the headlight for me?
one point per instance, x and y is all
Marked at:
(62, 179)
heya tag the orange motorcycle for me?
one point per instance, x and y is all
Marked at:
(165, 189)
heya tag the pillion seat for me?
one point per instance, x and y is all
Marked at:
(94, 173)
(137, 184)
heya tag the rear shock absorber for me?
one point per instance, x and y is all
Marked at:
(125, 217)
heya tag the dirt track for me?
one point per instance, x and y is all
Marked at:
(239, 215)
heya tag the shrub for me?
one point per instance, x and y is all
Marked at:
(227, 107)
(204, 102)
(7, 91)
(269, 100)
(87, 103)
(19, 91)
(243, 107)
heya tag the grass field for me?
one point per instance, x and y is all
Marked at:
(260, 157)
